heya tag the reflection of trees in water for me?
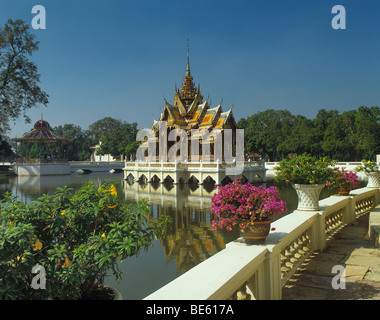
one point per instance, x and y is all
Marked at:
(5, 185)
(191, 239)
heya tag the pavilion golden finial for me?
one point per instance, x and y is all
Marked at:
(188, 60)
(188, 90)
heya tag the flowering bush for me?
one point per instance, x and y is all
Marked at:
(343, 178)
(237, 204)
(304, 169)
(368, 166)
(76, 237)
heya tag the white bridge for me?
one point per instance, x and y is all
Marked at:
(96, 166)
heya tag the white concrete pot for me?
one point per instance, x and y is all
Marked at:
(373, 179)
(308, 196)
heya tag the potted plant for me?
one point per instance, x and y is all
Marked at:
(344, 180)
(77, 238)
(372, 171)
(251, 208)
(308, 175)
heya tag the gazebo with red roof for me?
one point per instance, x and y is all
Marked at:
(42, 133)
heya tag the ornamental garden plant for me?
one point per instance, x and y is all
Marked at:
(239, 205)
(343, 179)
(308, 176)
(368, 167)
(78, 238)
(372, 171)
(304, 169)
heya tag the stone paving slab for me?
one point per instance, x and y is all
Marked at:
(373, 274)
(350, 248)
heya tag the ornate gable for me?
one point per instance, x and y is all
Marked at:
(210, 117)
(173, 115)
(226, 121)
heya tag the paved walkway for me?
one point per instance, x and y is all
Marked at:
(349, 248)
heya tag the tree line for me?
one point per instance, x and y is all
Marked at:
(348, 136)
(117, 138)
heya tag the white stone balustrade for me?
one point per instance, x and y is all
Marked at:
(243, 271)
(200, 170)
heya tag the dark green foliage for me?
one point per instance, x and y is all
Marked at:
(304, 169)
(348, 136)
(77, 237)
(5, 149)
(115, 136)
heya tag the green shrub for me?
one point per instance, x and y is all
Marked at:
(77, 237)
(304, 169)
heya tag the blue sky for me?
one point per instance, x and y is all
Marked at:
(121, 58)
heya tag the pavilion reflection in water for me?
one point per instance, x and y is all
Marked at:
(190, 239)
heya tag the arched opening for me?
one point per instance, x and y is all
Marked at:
(155, 179)
(209, 180)
(130, 178)
(193, 180)
(143, 179)
(226, 180)
(168, 179)
(243, 179)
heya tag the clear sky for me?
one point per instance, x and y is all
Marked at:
(120, 58)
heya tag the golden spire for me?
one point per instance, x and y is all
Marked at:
(188, 60)
(188, 90)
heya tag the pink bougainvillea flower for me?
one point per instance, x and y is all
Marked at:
(236, 204)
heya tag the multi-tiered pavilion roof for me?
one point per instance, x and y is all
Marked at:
(189, 111)
(41, 133)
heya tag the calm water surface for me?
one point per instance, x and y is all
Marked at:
(190, 241)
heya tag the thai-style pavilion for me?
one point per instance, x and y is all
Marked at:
(189, 112)
(211, 154)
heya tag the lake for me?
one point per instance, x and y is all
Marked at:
(190, 241)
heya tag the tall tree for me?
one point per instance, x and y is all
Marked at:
(337, 137)
(79, 148)
(299, 138)
(116, 141)
(367, 133)
(320, 124)
(265, 132)
(19, 77)
(101, 128)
